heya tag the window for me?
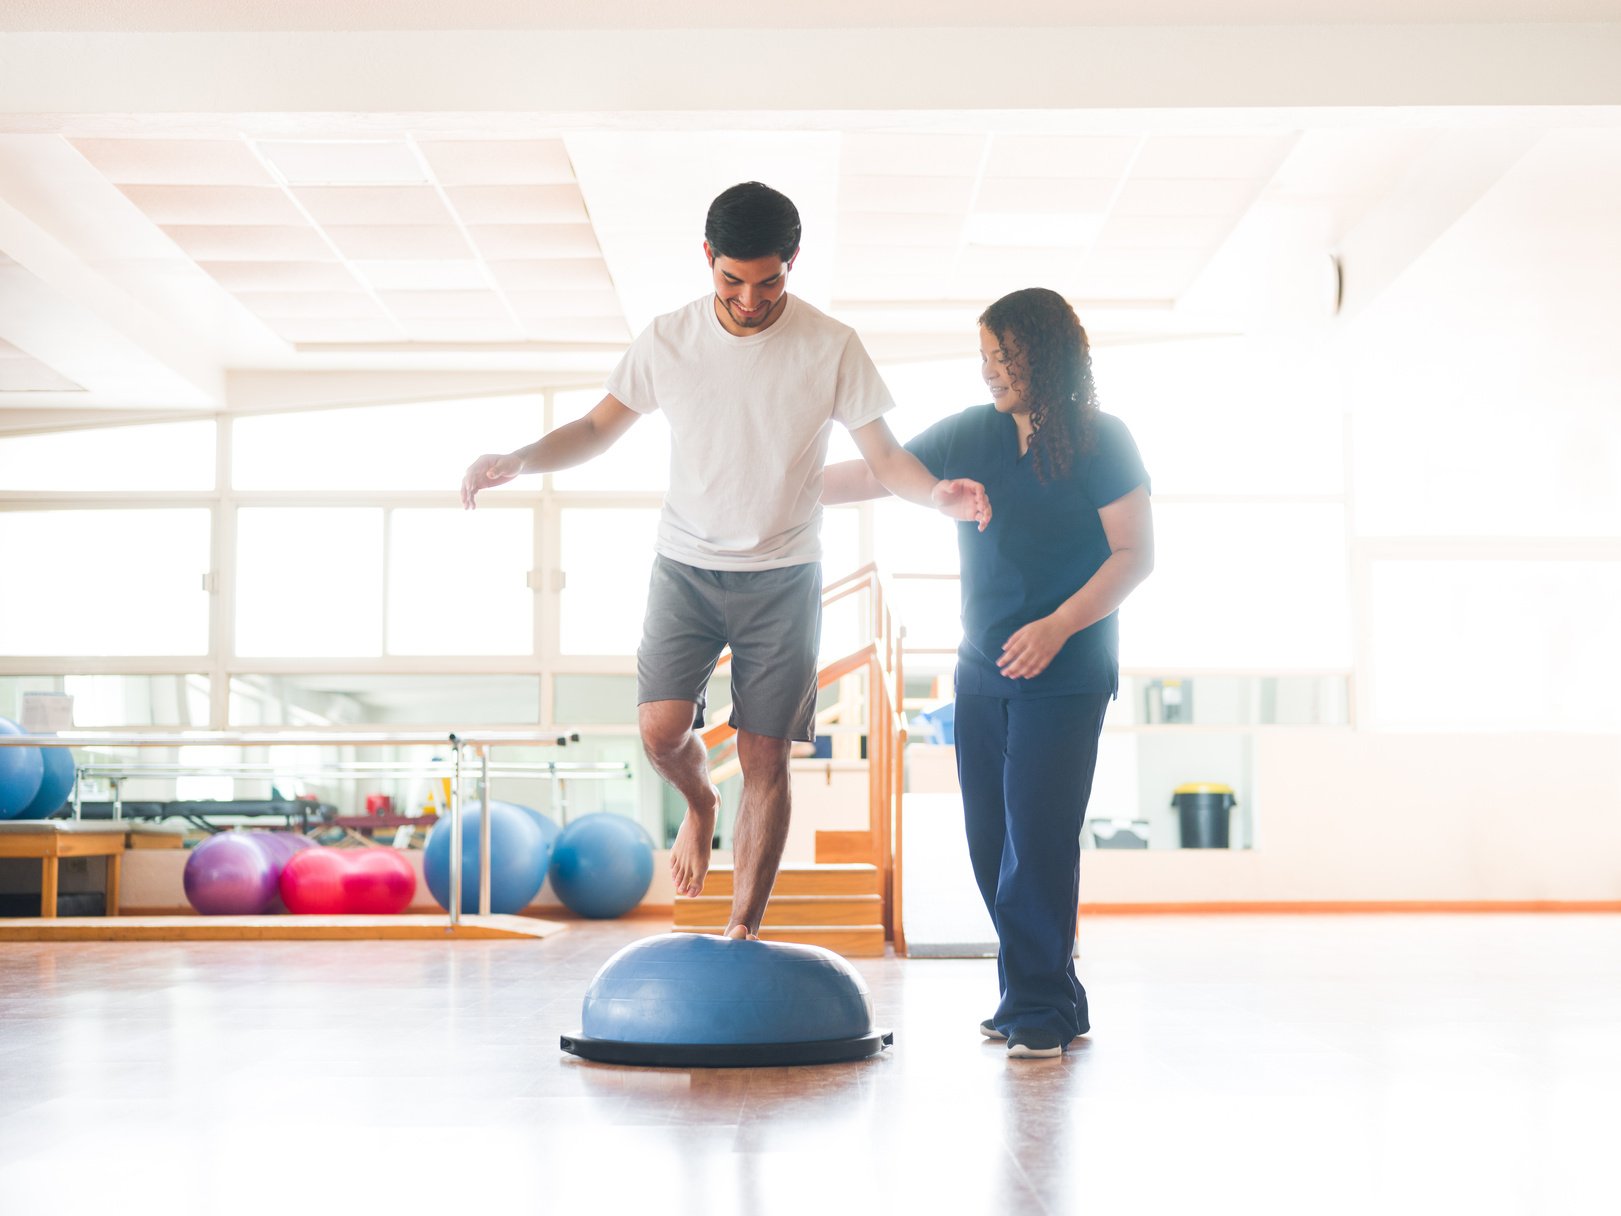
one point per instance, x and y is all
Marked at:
(606, 555)
(309, 581)
(388, 447)
(104, 582)
(458, 582)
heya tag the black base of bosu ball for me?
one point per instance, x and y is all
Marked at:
(688, 1000)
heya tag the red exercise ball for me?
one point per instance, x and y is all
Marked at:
(312, 882)
(380, 882)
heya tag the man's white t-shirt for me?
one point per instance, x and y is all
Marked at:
(749, 424)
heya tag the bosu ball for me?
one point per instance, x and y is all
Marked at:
(690, 1000)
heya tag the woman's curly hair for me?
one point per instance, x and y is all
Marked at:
(1050, 362)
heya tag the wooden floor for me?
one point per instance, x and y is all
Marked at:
(1301, 1065)
(268, 928)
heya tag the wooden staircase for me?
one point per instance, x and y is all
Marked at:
(838, 906)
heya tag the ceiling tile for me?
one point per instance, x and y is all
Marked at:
(20, 372)
(349, 162)
(1094, 156)
(373, 205)
(1165, 232)
(311, 305)
(518, 204)
(910, 155)
(316, 331)
(401, 243)
(214, 204)
(280, 276)
(414, 305)
(855, 284)
(545, 304)
(858, 228)
(509, 241)
(1195, 196)
(1250, 156)
(430, 275)
(165, 162)
(1045, 195)
(249, 243)
(497, 162)
(949, 195)
(552, 275)
(463, 329)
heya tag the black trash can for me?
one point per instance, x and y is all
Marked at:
(1205, 810)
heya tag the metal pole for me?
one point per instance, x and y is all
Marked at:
(118, 800)
(455, 832)
(78, 792)
(484, 833)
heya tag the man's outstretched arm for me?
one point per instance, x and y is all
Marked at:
(560, 448)
(902, 474)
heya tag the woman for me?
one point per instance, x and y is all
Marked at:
(1070, 535)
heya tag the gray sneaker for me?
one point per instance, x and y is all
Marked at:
(1034, 1045)
(989, 1030)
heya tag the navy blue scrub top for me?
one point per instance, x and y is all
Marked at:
(1042, 545)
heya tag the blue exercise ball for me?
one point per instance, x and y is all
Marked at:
(21, 771)
(602, 865)
(55, 785)
(518, 858)
(691, 998)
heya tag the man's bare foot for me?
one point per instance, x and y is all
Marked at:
(740, 933)
(689, 859)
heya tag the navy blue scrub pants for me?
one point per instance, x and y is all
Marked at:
(1025, 765)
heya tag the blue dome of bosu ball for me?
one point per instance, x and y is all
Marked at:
(685, 1000)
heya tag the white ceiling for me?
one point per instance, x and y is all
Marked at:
(154, 257)
(260, 15)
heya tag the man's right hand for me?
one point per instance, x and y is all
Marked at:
(486, 473)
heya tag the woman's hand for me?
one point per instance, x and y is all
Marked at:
(962, 499)
(1030, 649)
(486, 473)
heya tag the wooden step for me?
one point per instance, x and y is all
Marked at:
(852, 941)
(844, 847)
(854, 879)
(783, 911)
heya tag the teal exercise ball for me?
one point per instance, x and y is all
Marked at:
(55, 785)
(602, 865)
(21, 771)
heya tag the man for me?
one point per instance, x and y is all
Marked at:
(750, 379)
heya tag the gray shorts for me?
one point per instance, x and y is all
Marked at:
(772, 619)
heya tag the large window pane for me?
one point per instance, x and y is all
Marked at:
(1242, 586)
(841, 542)
(1495, 645)
(639, 460)
(125, 582)
(107, 701)
(488, 606)
(310, 581)
(403, 700)
(382, 447)
(607, 553)
(930, 609)
(161, 456)
(1444, 473)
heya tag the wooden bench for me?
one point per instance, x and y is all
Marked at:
(50, 840)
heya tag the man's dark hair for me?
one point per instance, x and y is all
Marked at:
(751, 220)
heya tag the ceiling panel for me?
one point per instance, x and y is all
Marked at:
(950, 195)
(1198, 196)
(351, 162)
(373, 205)
(214, 204)
(1212, 155)
(400, 243)
(411, 305)
(910, 155)
(161, 162)
(518, 204)
(938, 231)
(525, 241)
(565, 304)
(1105, 157)
(1049, 195)
(548, 274)
(249, 242)
(430, 275)
(495, 162)
(281, 276)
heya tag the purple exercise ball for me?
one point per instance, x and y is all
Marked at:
(232, 874)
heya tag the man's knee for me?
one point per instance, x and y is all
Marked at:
(665, 726)
(764, 758)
